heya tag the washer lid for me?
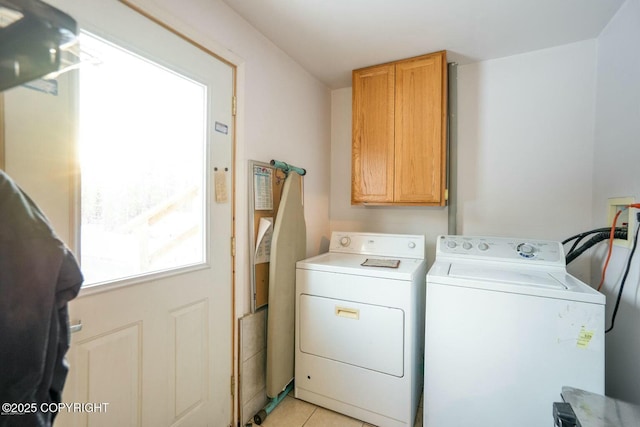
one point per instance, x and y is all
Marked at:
(535, 278)
(333, 262)
(542, 282)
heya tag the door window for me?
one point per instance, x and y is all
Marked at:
(142, 145)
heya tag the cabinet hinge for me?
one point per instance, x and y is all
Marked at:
(233, 246)
(234, 105)
(446, 194)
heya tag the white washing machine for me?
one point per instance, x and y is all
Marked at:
(360, 328)
(506, 328)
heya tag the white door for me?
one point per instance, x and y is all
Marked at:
(157, 351)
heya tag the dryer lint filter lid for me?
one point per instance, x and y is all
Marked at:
(389, 263)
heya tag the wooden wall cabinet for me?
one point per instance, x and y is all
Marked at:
(399, 132)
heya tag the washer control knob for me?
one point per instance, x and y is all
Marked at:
(526, 250)
(345, 241)
(451, 244)
(467, 245)
(412, 245)
(483, 246)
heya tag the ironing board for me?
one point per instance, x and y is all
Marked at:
(288, 245)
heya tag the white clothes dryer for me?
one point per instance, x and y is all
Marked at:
(360, 327)
(506, 328)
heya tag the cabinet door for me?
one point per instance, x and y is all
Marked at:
(420, 130)
(373, 135)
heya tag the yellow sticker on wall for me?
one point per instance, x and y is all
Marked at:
(584, 338)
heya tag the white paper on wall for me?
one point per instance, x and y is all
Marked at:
(262, 188)
(263, 241)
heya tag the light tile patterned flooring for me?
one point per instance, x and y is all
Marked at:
(292, 412)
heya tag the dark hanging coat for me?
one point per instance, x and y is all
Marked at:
(38, 276)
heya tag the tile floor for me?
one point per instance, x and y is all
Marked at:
(292, 412)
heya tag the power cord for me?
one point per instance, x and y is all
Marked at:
(624, 277)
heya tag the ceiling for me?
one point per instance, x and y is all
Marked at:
(329, 38)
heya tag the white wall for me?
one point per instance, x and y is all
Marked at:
(283, 115)
(616, 166)
(525, 130)
(525, 143)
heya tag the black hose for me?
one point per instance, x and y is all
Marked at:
(586, 233)
(578, 237)
(597, 238)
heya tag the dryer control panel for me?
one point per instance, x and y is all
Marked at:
(505, 249)
(386, 245)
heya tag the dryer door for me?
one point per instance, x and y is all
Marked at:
(364, 335)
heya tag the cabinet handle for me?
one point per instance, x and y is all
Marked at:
(348, 313)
